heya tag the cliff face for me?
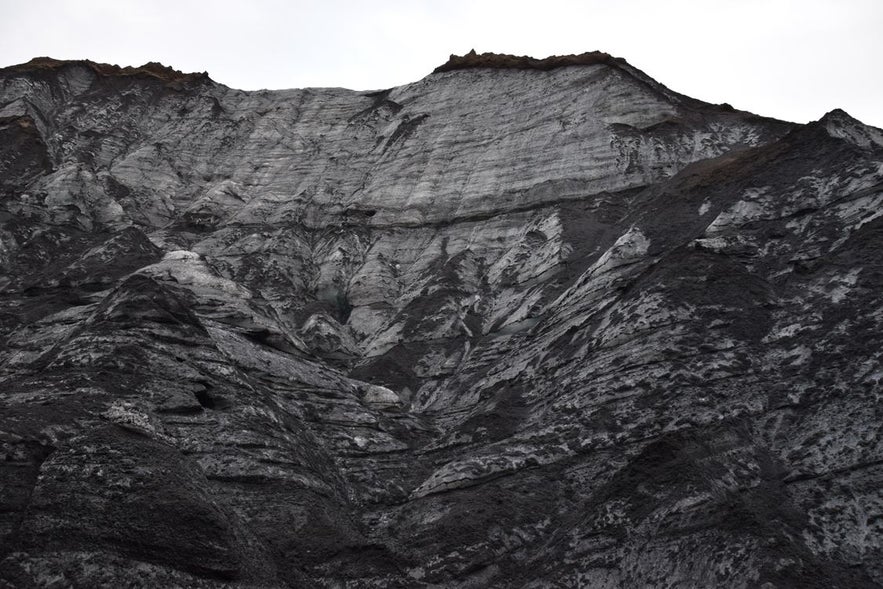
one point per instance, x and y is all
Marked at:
(518, 324)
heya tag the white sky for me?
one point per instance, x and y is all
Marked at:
(792, 59)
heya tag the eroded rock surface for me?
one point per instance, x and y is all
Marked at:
(522, 323)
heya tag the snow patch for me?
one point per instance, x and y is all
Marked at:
(181, 255)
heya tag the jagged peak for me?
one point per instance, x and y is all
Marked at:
(840, 124)
(148, 70)
(474, 60)
(839, 116)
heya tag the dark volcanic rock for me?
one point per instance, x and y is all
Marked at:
(122, 495)
(523, 323)
(522, 62)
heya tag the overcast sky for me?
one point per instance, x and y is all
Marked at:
(794, 60)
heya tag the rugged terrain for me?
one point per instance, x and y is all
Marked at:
(522, 323)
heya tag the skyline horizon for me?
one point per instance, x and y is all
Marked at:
(785, 59)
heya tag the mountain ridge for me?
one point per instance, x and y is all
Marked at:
(148, 70)
(509, 327)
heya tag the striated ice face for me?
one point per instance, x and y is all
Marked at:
(490, 329)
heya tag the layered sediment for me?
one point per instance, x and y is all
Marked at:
(522, 323)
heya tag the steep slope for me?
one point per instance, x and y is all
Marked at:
(520, 323)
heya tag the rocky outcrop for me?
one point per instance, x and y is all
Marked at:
(151, 70)
(472, 60)
(522, 323)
